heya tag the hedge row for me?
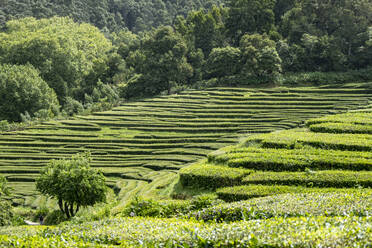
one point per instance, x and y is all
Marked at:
(294, 160)
(289, 139)
(245, 192)
(362, 118)
(314, 178)
(210, 176)
(287, 205)
(150, 232)
(327, 127)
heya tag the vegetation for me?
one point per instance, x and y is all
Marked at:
(141, 145)
(6, 210)
(150, 232)
(357, 203)
(292, 162)
(73, 183)
(64, 62)
(70, 65)
(23, 91)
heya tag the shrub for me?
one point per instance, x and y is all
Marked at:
(245, 192)
(314, 178)
(293, 159)
(287, 205)
(340, 128)
(209, 176)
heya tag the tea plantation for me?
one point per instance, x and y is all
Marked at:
(304, 187)
(140, 146)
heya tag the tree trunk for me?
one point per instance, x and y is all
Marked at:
(67, 212)
(72, 210)
(60, 204)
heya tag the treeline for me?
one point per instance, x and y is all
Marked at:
(53, 66)
(107, 15)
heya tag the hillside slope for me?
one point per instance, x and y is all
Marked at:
(141, 145)
(333, 155)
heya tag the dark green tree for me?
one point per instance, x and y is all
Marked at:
(339, 26)
(23, 90)
(159, 63)
(206, 29)
(259, 57)
(73, 183)
(249, 16)
(69, 56)
(224, 61)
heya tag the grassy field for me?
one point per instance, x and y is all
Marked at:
(140, 146)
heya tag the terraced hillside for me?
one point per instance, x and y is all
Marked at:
(141, 145)
(333, 155)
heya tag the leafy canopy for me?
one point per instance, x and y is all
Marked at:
(73, 183)
(23, 90)
(69, 56)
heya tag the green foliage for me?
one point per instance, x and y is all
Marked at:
(326, 78)
(288, 205)
(159, 63)
(23, 90)
(150, 232)
(340, 128)
(259, 57)
(69, 56)
(168, 208)
(204, 29)
(54, 218)
(328, 35)
(292, 159)
(313, 178)
(6, 213)
(106, 15)
(224, 61)
(209, 176)
(73, 183)
(245, 192)
(349, 118)
(288, 139)
(249, 16)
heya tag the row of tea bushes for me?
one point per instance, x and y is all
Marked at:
(347, 203)
(327, 127)
(329, 178)
(245, 192)
(210, 176)
(150, 232)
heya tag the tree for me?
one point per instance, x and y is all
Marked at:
(160, 62)
(249, 16)
(6, 209)
(23, 90)
(224, 61)
(69, 56)
(206, 29)
(73, 183)
(259, 56)
(339, 25)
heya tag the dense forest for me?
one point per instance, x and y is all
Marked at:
(98, 52)
(107, 15)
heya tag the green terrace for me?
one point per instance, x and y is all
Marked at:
(140, 146)
(302, 160)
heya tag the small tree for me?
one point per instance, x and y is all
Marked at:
(73, 183)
